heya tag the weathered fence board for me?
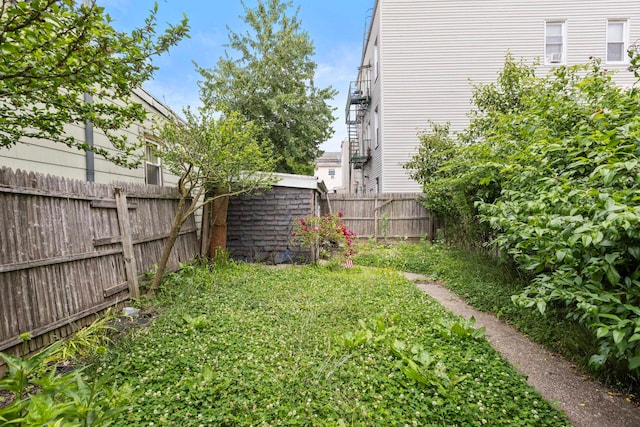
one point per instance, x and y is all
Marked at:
(70, 249)
(385, 215)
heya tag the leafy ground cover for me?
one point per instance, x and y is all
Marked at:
(488, 286)
(249, 345)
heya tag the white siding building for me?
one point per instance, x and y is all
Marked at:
(59, 160)
(420, 58)
(329, 169)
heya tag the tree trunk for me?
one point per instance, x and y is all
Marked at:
(218, 240)
(178, 220)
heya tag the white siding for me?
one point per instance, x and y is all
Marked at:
(373, 169)
(429, 50)
(60, 160)
(333, 182)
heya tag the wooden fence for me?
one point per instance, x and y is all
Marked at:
(70, 249)
(386, 215)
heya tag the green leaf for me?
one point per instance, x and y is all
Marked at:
(598, 359)
(597, 237)
(634, 363)
(618, 336)
(612, 275)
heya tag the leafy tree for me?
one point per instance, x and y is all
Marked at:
(210, 153)
(271, 82)
(54, 51)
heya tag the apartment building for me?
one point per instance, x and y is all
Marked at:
(420, 58)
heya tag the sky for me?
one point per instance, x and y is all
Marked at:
(336, 27)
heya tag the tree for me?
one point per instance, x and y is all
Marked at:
(52, 52)
(208, 153)
(271, 82)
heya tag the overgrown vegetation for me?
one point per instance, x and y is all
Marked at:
(214, 158)
(488, 285)
(43, 390)
(247, 345)
(548, 171)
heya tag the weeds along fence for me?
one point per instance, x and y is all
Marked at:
(70, 249)
(384, 215)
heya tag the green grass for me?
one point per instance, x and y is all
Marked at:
(488, 286)
(248, 345)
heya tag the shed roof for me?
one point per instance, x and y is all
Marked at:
(299, 181)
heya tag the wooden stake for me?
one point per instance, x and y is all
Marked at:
(127, 243)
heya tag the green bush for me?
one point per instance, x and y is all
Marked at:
(42, 397)
(552, 166)
(570, 210)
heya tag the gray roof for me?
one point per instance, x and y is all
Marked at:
(330, 158)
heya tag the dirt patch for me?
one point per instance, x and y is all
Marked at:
(586, 403)
(142, 319)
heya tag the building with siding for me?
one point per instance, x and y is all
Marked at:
(59, 160)
(329, 169)
(420, 57)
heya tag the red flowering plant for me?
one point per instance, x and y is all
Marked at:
(326, 233)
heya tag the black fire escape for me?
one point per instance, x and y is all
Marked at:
(357, 106)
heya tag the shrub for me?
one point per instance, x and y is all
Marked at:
(41, 397)
(551, 165)
(569, 213)
(327, 233)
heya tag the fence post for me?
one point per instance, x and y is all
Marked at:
(375, 218)
(127, 243)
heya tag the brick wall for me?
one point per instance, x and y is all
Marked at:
(259, 227)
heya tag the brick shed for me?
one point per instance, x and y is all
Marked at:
(260, 226)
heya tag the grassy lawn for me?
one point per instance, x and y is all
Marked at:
(249, 345)
(478, 279)
(488, 286)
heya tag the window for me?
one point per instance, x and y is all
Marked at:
(152, 164)
(332, 173)
(554, 43)
(376, 63)
(617, 40)
(376, 124)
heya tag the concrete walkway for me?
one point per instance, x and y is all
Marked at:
(586, 403)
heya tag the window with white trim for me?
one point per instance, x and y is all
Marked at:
(332, 173)
(376, 124)
(152, 164)
(555, 46)
(376, 61)
(617, 40)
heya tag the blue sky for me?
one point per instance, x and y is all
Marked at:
(336, 27)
